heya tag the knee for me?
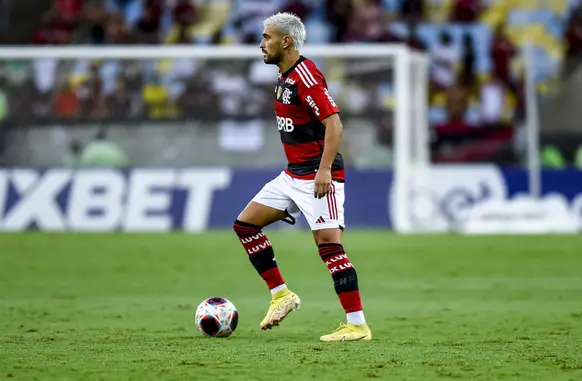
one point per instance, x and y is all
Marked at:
(324, 240)
(327, 236)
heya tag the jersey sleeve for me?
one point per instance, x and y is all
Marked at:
(313, 93)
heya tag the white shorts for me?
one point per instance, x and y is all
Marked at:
(297, 196)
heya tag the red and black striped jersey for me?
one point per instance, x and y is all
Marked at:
(302, 102)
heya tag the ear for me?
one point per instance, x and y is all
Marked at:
(287, 42)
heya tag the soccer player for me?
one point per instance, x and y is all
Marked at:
(312, 184)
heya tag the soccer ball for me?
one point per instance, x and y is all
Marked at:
(216, 317)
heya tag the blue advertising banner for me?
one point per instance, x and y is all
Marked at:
(196, 199)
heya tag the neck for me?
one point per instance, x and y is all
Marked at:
(288, 61)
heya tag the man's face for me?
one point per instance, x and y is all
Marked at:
(272, 45)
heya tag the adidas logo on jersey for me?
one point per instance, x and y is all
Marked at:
(320, 220)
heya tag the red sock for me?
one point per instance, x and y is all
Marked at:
(260, 252)
(345, 278)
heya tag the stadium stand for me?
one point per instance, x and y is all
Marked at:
(476, 75)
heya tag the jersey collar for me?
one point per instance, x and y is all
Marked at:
(285, 74)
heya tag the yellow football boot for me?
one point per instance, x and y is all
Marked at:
(282, 303)
(349, 332)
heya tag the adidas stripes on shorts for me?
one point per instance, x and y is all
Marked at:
(296, 196)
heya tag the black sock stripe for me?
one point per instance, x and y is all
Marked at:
(263, 261)
(247, 225)
(243, 229)
(330, 245)
(331, 250)
(346, 280)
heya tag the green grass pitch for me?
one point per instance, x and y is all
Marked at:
(120, 307)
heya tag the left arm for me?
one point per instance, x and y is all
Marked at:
(332, 142)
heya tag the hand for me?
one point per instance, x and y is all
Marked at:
(322, 183)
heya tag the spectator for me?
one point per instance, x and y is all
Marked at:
(119, 103)
(116, 31)
(457, 104)
(297, 7)
(361, 94)
(198, 100)
(67, 14)
(180, 34)
(338, 12)
(69, 9)
(44, 71)
(97, 34)
(412, 10)
(444, 58)
(103, 153)
(551, 157)
(133, 77)
(492, 99)
(44, 34)
(468, 74)
(385, 130)
(52, 31)
(155, 8)
(413, 41)
(72, 158)
(91, 93)
(96, 15)
(67, 104)
(147, 29)
(573, 41)
(156, 97)
(502, 52)
(447, 134)
(184, 13)
(466, 11)
(366, 24)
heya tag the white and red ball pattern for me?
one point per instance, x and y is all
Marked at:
(216, 317)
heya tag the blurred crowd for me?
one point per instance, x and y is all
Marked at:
(476, 76)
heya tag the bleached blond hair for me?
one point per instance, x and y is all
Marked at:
(288, 24)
